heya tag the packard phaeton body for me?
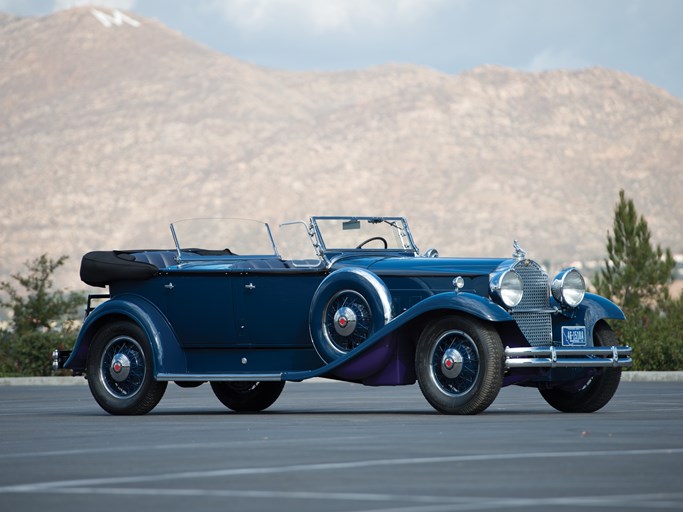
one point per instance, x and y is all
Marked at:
(355, 301)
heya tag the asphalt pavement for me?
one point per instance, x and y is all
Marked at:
(340, 447)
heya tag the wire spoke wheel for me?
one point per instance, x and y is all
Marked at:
(348, 308)
(347, 320)
(122, 367)
(454, 363)
(459, 364)
(119, 370)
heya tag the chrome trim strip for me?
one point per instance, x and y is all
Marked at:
(537, 310)
(568, 357)
(219, 376)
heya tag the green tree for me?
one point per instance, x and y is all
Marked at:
(637, 277)
(41, 319)
(635, 273)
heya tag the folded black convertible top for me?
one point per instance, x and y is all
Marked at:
(100, 268)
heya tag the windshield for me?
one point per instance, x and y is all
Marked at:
(223, 237)
(348, 233)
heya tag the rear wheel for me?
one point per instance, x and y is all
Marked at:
(459, 365)
(593, 393)
(119, 370)
(247, 396)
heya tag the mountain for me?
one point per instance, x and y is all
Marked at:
(109, 133)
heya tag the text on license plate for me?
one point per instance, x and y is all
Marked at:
(573, 336)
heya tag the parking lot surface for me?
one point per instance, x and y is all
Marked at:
(340, 447)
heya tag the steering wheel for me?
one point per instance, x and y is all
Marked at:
(380, 238)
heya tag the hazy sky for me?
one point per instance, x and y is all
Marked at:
(641, 37)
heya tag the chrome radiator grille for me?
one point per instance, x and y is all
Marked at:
(531, 313)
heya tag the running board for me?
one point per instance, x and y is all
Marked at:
(235, 377)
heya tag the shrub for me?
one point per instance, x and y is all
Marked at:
(41, 320)
(656, 336)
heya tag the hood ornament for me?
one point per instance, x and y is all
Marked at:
(519, 253)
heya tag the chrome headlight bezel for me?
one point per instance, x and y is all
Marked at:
(568, 287)
(506, 288)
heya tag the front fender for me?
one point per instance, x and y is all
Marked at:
(602, 308)
(168, 356)
(464, 302)
(594, 308)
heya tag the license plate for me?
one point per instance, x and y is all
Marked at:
(573, 336)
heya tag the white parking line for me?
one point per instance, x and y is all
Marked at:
(412, 503)
(331, 466)
(173, 447)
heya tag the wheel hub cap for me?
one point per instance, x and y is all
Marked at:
(120, 367)
(451, 363)
(345, 321)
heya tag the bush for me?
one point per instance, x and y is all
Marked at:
(656, 336)
(41, 320)
(30, 354)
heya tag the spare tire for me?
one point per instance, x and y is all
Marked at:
(348, 307)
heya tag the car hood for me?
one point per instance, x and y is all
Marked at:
(386, 266)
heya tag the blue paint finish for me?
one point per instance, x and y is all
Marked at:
(435, 266)
(465, 302)
(200, 308)
(223, 314)
(272, 310)
(251, 360)
(602, 307)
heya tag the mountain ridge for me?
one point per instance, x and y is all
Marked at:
(125, 129)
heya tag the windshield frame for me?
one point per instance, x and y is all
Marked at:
(192, 252)
(398, 223)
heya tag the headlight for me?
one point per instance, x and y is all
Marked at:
(506, 288)
(568, 287)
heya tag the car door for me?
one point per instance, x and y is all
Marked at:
(272, 308)
(200, 309)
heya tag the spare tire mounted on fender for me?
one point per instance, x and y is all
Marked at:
(347, 308)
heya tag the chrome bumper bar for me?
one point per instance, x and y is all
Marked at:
(568, 357)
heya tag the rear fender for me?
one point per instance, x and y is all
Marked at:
(168, 356)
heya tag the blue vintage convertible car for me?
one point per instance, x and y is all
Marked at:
(353, 299)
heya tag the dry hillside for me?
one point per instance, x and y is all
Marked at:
(109, 133)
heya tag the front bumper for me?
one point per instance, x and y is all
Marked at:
(568, 357)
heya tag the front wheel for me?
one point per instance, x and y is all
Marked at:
(119, 370)
(588, 394)
(247, 396)
(459, 365)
